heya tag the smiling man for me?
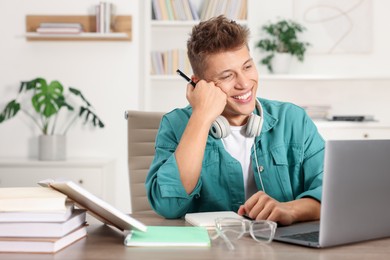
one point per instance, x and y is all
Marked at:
(229, 150)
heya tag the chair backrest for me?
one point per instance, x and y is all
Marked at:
(142, 128)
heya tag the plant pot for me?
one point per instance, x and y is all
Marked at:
(52, 147)
(281, 63)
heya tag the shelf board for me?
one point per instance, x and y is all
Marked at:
(292, 77)
(320, 77)
(121, 28)
(345, 124)
(81, 36)
(178, 23)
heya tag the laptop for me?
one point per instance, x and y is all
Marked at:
(355, 196)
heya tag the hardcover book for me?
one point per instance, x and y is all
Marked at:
(40, 244)
(31, 199)
(37, 216)
(43, 229)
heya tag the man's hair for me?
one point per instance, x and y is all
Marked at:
(214, 36)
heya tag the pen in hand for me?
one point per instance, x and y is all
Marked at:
(185, 77)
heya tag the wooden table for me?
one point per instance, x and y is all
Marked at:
(105, 242)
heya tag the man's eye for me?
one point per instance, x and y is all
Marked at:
(226, 77)
(247, 67)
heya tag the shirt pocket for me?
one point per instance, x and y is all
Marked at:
(287, 160)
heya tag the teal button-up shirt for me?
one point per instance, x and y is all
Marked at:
(289, 150)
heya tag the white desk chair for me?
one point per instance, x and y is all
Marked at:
(142, 128)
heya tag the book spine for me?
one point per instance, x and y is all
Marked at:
(156, 10)
(101, 17)
(195, 15)
(107, 17)
(97, 9)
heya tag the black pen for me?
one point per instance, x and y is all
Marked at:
(186, 77)
(247, 217)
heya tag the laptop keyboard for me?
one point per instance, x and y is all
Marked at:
(310, 236)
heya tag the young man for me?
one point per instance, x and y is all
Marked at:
(273, 173)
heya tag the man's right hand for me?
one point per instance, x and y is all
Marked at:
(206, 99)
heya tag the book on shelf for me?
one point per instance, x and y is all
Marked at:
(43, 229)
(15, 199)
(236, 10)
(167, 62)
(180, 10)
(194, 11)
(37, 216)
(40, 244)
(61, 25)
(316, 112)
(171, 10)
(104, 17)
(59, 30)
(169, 236)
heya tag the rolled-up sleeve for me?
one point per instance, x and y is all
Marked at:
(164, 188)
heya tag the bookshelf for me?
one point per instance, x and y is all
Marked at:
(121, 29)
(165, 35)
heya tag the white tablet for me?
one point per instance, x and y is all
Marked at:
(95, 206)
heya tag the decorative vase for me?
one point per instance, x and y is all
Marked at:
(281, 63)
(52, 147)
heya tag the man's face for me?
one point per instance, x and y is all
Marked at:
(236, 74)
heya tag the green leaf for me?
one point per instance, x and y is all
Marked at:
(10, 110)
(78, 93)
(90, 116)
(48, 99)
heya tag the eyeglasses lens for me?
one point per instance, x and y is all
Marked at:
(232, 228)
(263, 231)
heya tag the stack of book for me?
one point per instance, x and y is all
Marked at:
(60, 28)
(38, 220)
(104, 14)
(184, 10)
(232, 9)
(167, 62)
(317, 112)
(190, 10)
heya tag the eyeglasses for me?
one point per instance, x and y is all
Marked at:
(230, 229)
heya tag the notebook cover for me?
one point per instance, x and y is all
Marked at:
(163, 236)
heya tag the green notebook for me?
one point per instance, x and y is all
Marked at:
(157, 236)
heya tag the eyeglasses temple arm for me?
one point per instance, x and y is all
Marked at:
(225, 238)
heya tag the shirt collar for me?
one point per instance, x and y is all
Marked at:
(269, 121)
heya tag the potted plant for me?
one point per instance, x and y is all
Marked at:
(281, 42)
(42, 103)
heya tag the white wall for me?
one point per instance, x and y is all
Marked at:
(353, 83)
(108, 75)
(376, 62)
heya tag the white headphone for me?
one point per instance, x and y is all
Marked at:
(221, 127)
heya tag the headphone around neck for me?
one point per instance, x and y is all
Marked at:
(221, 127)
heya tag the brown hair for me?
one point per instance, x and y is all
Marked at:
(213, 36)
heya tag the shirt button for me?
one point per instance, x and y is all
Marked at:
(261, 168)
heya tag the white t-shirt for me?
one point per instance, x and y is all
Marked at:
(239, 147)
